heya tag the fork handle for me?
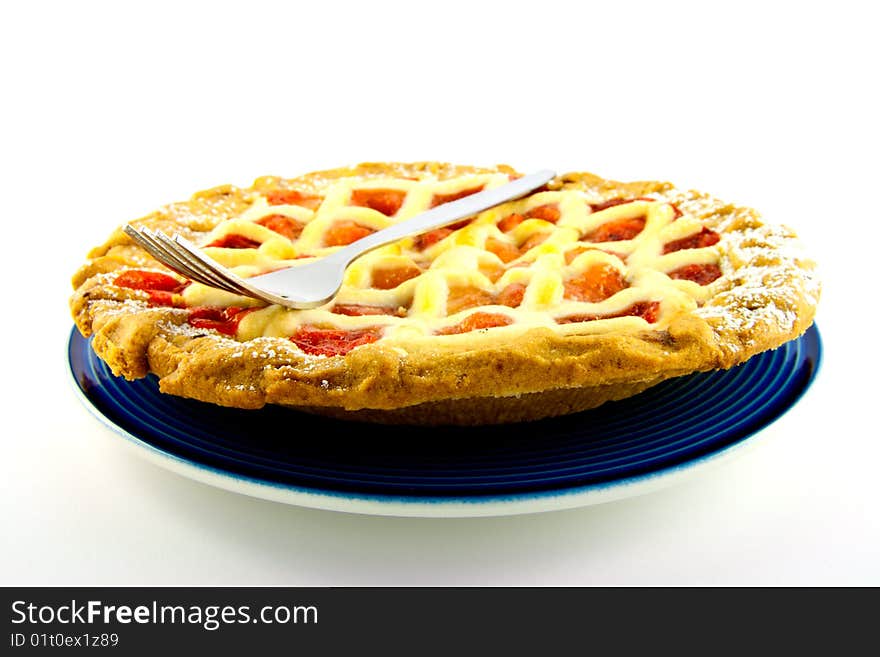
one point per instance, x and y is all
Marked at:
(445, 214)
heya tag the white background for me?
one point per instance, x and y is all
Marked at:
(110, 110)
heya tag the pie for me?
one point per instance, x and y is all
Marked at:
(585, 291)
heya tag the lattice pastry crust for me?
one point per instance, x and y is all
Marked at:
(585, 291)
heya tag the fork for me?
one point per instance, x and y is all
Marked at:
(315, 283)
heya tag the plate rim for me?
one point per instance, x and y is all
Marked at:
(437, 506)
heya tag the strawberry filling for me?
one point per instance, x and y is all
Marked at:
(440, 199)
(548, 212)
(233, 241)
(289, 228)
(477, 321)
(504, 250)
(332, 342)
(293, 197)
(512, 295)
(386, 201)
(426, 240)
(647, 310)
(222, 320)
(701, 274)
(343, 233)
(596, 283)
(136, 279)
(704, 238)
(616, 231)
(510, 222)
(430, 238)
(388, 278)
(464, 297)
(160, 287)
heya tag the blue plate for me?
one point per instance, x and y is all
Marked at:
(620, 449)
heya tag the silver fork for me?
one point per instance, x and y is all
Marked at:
(315, 283)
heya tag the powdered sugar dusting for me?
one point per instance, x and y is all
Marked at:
(770, 281)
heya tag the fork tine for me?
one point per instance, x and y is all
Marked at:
(186, 259)
(148, 245)
(152, 243)
(212, 274)
(170, 258)
(161, 241)
(222, 277)
(149, 241)
(241, 285)
(201, 273)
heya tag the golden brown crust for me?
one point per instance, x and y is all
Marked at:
(768, 299)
